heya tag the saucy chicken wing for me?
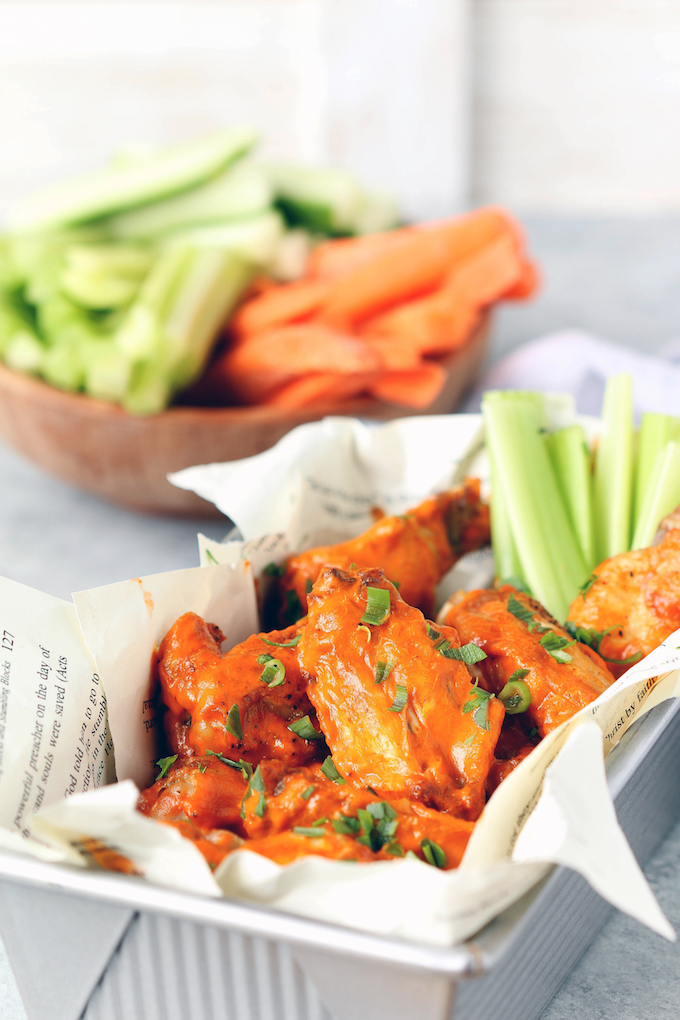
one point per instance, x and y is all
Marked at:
(393, 701)
(240, 704)
(517, 633)
(414, 551)
(632, 601)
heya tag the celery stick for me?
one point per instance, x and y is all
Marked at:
(324, 201)
(149, 391)
(239, 193)
(257, 239)
(118, 187)
(503, 544)
(24, 352)
(107, 371)
(548, 551)
(662, 495)
(379, 211)
(613, 483)
(62, 365)
(12, 323)
(656, 430)
(571, 461)
(138, 336)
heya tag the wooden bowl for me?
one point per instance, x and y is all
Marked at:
(100, 448)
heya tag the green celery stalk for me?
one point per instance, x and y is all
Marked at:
(548, 551)
(62, 365)
(503, 544)
(321, 200)
(613, 483)
(123, 186)
(107, 371)
(257, 239)
(656, 430)
(571, 461)
(662, 495)
(241, 192)
(24, 352)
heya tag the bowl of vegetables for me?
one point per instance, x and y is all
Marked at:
(193, 304)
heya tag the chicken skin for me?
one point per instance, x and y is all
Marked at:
(393, 702)
(225, 703)
(286, 813)
(414, 551)
(517, 633)
(632, 601)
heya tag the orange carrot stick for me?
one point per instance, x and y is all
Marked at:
(329, 387)
(527, 284)
(279, 306)
(416, 388)
(333, 259)
(418, 265)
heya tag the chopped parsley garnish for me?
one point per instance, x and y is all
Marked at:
(346, 826)
(431, 632)
(469, 740)
(469, 653)
(233, 723)
(303, 728)
(310, 833)
(283, 644)
(330, 772)
(306, 794)
(377, 606)
(478, 704)
(164, 765)
(293, 611)
(519, 674)
(210, 557)
(587, 585)
(382, 671)
(554, 645)
(274, 570)
(433, 853)
(274, 672)
(255, 785)
(378, 823)
(245, 766)
(594, 638)
(400, 698)
(521, 612)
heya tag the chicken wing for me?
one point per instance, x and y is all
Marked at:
(414, 551)
(240, 704)
(631, 603)
(517, 633)
(395, 705)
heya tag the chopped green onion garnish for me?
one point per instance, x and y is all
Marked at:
(293, 610)
(469, 740)
(203, 769)
(345, 825)
(433, 853)
(274, 673)
(594, 638)
(478, 704)
(309, 584)
(382, 671)
(261, 805)
(521, 612)
(310, 833)
(397, 584)
(394, 848)
(210, 557)
(273, 570)
(320, 821)
(469, 653)
(306, 794)
(303, 728)
(164, 765)
(554, 643)
(364, 628)
(265, 657)
(431, 632)
(377, 606)
(516, 695)
(245, 766)
(400, 698)
(255, 784)
(330, 772)
(587, 585)
(283, 644)
(233, 723)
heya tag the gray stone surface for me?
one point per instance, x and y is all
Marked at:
(618, 278)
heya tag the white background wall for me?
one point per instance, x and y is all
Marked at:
(379, 86)
(577, 105)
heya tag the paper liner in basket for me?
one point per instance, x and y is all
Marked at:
(535, 818)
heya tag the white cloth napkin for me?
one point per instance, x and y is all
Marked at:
(577, 362)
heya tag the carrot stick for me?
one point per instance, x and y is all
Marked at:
(527, 284)
(279, 306)
(267, 361)
(418, 265)
(416, 388)
(329, 387)
(333, 259)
